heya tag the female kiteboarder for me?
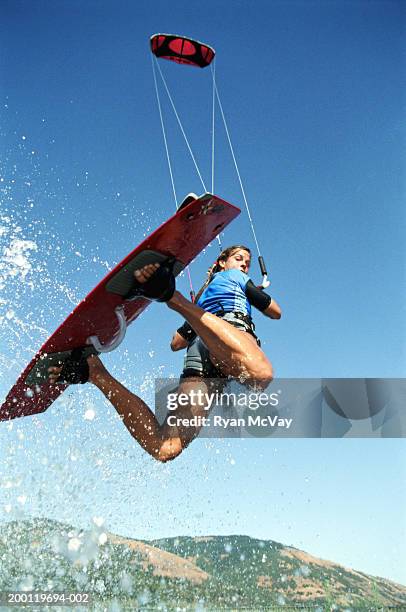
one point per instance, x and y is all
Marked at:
(220, 340)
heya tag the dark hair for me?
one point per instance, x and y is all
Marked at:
(224, 255)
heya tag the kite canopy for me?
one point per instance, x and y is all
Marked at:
(182, 50)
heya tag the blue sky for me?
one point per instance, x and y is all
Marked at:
(312, 94)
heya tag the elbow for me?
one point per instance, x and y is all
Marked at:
(274, 312)
(174, 343)
(178, 343)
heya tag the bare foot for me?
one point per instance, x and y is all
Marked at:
(144, 273)
(97, 370)
(54, 373)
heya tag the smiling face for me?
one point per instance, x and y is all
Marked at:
(238, 259)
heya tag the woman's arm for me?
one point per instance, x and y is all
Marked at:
(178, 342)
(182, 337)
(261, 300)
(273, 310)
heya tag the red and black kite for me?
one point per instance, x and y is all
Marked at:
(182, 50)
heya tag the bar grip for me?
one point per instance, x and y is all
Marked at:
(262, 266)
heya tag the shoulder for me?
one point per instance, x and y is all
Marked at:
(237, 276)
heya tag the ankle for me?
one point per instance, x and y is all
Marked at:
(97, 379)
(176, 300)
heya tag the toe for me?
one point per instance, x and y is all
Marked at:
(53, 373)
(144, 273)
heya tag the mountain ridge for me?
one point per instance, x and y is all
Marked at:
(214, 572)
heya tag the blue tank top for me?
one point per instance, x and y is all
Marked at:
(226, 292)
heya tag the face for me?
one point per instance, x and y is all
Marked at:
(238, 260)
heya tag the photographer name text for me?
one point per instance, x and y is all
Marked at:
(223, 422)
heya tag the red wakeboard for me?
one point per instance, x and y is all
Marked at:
(105, 313)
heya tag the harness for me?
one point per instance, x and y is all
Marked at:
(232, 315)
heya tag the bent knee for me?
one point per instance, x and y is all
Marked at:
(169, 449)
(263, 376)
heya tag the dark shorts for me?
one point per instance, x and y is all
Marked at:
(197, 360)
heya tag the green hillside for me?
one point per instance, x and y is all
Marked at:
(184, 573)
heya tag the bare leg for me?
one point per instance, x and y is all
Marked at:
(162, 442)
(233, 350)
